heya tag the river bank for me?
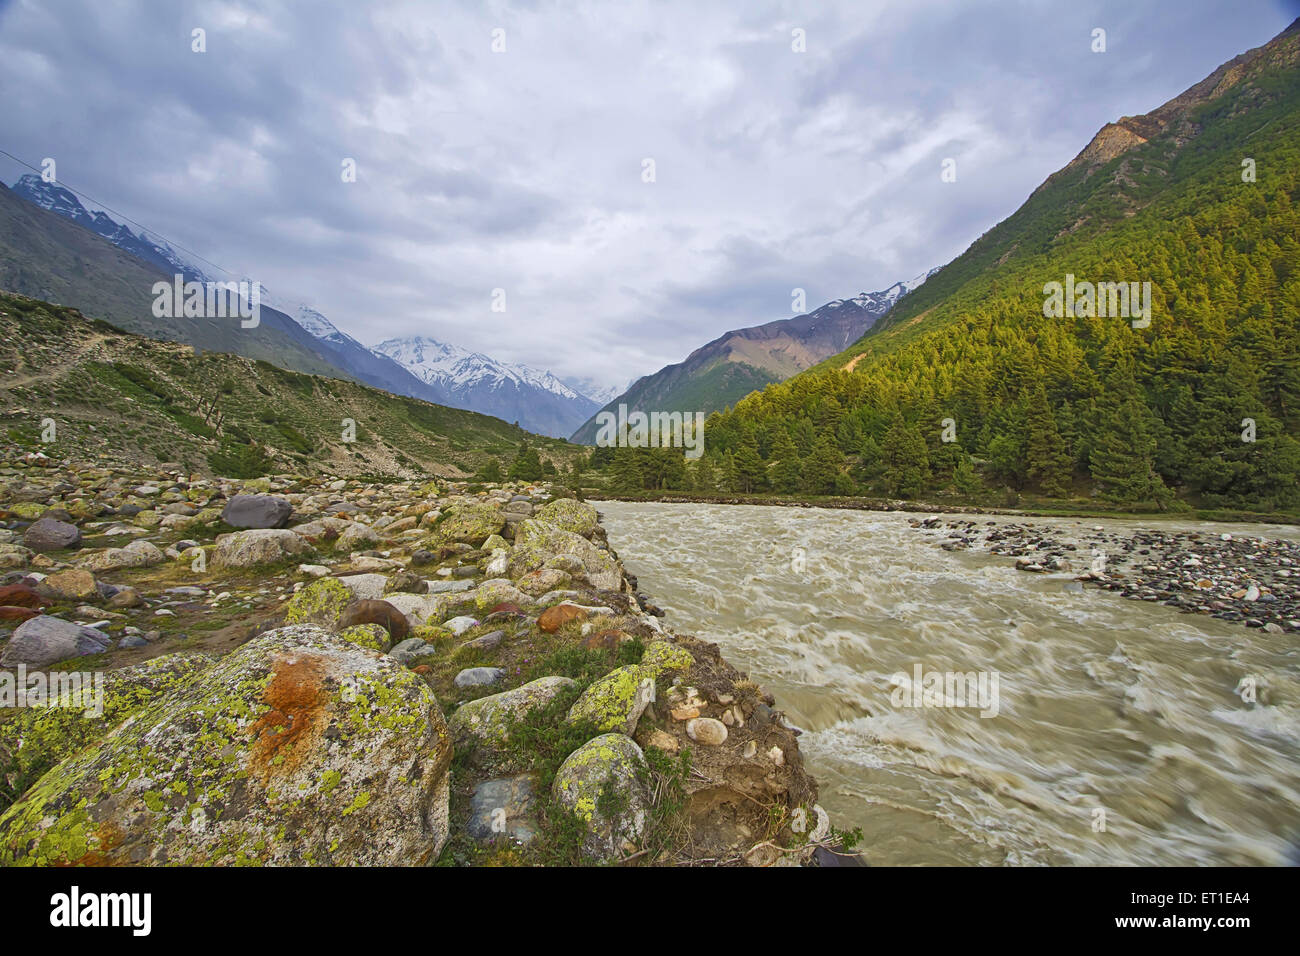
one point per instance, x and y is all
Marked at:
(1178, 733)
(1249, 579)
(297, 665)
(1058, 510)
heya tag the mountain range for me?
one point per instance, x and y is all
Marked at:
(296, 336)
(743, 360)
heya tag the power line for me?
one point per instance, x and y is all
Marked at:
(144, 230)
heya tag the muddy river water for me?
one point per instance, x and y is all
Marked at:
(1120, 735)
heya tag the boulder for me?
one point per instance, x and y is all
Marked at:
(36, 738)
(356, 537)
(73, 585)
(257, 511)
(410, 649)
(470, 522)
(371, 636)
(536, 542)
(320, 602)
(44, 640)
(298, 748)
(608, 763)
(568, 514)
(49, 534)
(364, 586)
(480, 726)
(24, 595)
(247, 549)
(381, 613)
(479, 677)
(137, 554)
(616, 701)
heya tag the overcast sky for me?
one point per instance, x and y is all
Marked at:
(523, 170)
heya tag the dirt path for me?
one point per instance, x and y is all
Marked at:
(19, 380)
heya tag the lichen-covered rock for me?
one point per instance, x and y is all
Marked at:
(78, 711)
(13, 556)
(498, 591)
(481, 726)
(616, 701)
(542, 580)
(247, 549)
(297, 748)
(601, 783)
(536, 542)
(470, 522)
(372, 636)
(661, 657)
(137, 554)
(568, 514)
(356, 536)
(321, 602)
(74, 584)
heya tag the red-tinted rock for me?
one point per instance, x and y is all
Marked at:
(554, 618)
(22, 595)
(10, 613)
(376, 612)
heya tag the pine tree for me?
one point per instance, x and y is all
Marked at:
(786, 475)
(1123, 455)
(1047, 461)
(822, 468)
(907, 465)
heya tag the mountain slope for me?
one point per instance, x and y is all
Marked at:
(740, 361)
(123, 398)
(73, 268)
(517, 393)
(1202, 404)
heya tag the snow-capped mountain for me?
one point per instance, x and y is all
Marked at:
(590, 388)
(425, 369)
(63, 202)
(536, 399)
(878, 303)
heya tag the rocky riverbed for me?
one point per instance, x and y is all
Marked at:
(334, 671)
(1235, 577)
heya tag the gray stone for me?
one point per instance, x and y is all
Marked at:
(257, 511)
(487, 642)
(479, 676)
(49, 534)
(504, 807)
(410, 649)
(44, 640)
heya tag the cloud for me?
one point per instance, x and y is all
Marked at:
(522, 170)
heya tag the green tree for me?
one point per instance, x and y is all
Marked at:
(907, 464)
(1047, 461)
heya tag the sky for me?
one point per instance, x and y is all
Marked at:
(636, 177)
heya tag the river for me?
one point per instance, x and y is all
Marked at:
(1119, 738)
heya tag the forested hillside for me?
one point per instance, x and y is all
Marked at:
(1199, 407)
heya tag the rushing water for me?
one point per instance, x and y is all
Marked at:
(1104, 703)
